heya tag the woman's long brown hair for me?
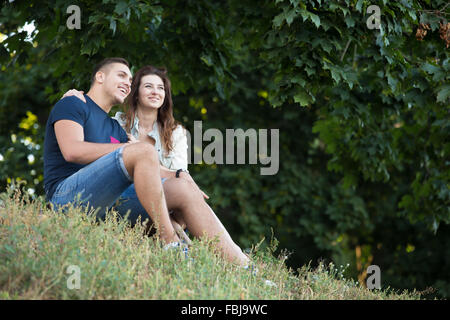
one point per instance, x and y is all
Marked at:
(165, 119)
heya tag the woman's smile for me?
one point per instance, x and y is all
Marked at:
(152, 90)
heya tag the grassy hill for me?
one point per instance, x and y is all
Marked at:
(42, 252)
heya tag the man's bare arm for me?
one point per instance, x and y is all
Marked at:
(70, 137)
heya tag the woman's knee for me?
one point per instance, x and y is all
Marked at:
(186, 188)
(179, 193)
(177, 187)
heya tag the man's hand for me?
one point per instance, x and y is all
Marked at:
(76, 93)
(131, 139)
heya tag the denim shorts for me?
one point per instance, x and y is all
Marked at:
(103, 184)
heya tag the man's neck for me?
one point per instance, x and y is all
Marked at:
(100, 99)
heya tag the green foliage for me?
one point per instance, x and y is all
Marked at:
(363, 114)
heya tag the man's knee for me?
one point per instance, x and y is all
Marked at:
(141, 151)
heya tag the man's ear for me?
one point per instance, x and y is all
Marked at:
(100, 76)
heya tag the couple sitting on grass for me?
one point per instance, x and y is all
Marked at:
(135, 162)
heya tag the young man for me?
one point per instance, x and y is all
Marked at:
(88, 159)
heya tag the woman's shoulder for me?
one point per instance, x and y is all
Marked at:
(179, 131)
(120, 117)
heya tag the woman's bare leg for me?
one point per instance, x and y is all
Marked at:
(200, 218)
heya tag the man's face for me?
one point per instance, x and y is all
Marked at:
(117, 81)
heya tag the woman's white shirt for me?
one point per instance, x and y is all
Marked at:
(177, 158)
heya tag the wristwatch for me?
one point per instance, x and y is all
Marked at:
(177, 174)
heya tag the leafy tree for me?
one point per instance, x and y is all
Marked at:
(363, 114)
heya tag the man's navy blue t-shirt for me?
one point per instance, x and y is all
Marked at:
(97, 125)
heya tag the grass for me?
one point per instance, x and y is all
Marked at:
(38, 247)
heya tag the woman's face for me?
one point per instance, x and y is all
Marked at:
(151, 92)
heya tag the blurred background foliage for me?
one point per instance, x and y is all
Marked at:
(363, 115)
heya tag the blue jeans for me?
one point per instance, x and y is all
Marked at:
(102, 184)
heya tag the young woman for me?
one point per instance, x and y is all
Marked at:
(148, 117)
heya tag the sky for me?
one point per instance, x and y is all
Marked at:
(28, 27)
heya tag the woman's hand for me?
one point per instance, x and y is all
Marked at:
(188, 177)
(204, 194)
(76, 93)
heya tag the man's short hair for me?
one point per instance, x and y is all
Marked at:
(105, 62)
